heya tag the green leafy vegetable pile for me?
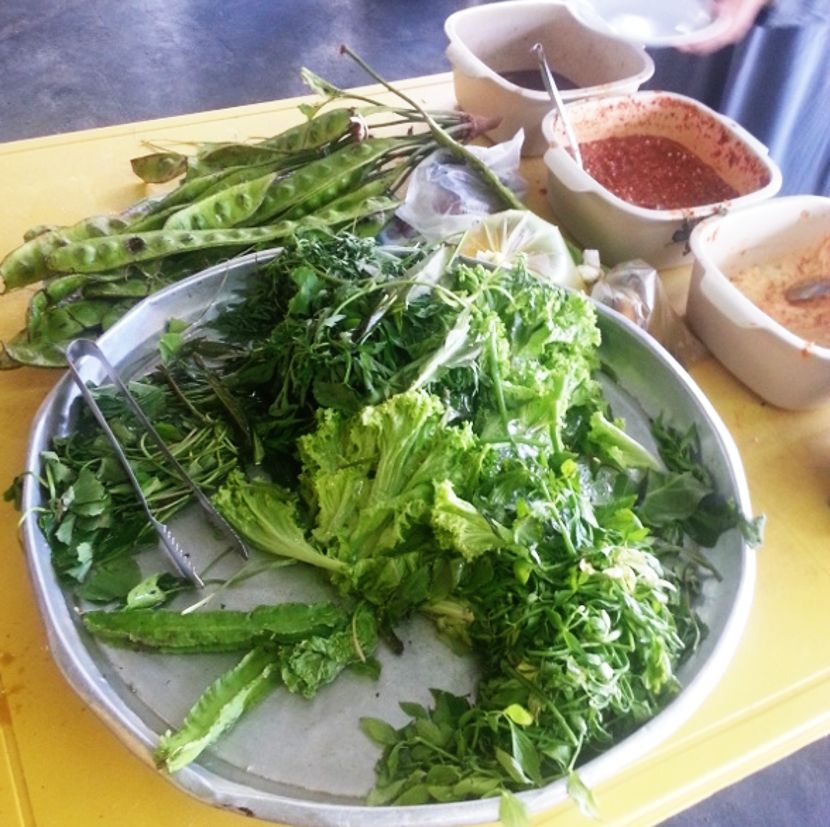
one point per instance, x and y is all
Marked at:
(432, 437)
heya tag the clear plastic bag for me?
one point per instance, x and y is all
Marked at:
(445, 197)
(635, 290)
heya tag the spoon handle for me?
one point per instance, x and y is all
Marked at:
(553, 91)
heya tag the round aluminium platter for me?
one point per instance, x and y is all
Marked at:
(307, 762)
(651, 24)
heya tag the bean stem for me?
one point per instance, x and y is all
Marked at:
(443, 138)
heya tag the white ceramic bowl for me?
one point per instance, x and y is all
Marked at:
(779, 365)
(485, 41)
(622, 231)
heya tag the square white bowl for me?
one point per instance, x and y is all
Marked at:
(485, 41)
(621, 231)
(779, 365)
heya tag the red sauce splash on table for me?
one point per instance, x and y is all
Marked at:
(653, 172)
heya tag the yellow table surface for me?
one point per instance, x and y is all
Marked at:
(61, 767)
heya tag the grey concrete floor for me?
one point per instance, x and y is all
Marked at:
(76, 64)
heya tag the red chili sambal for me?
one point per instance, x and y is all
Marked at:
(653, 172)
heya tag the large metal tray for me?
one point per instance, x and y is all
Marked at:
(307, 762)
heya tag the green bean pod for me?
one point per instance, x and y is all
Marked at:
(219, 631)
(114, 251)
(323, 180)
(23, 350)
(28, 263)
(226, 208)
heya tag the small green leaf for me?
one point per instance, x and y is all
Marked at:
(512, 767)
(153, 591)
(379, 731)
(512, 811)
(581, 795)
(519, 715)
(419, 794)
(110, 580)
(413, 710)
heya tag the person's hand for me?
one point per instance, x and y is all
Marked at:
(735, 17)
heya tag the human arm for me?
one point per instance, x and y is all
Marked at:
(735, 19)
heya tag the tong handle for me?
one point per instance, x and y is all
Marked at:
(86, 348)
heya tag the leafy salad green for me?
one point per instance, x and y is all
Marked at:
(431, 435)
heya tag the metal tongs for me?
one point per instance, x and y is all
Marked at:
(179, 557)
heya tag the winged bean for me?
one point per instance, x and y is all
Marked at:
(226, 208)
(219, 631)
(114, 251)
(323, 179)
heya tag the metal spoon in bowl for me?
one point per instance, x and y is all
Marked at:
(808, 290)
(553, 91)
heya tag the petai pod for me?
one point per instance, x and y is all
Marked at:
(114, 251)
(303, 141)
(323, 180)
(38, 229)
(369, 198)
(219, 631)
(185, 194)
(28, 263)
(226, 208)
(325, 128)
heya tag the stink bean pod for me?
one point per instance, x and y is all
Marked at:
(28, 263)
(61, 287)
(323, 179)
(114, 251)
(38, 229)
(323, 129)
(226, 208)
(370, 198)
(234, 155)
(134, 288)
